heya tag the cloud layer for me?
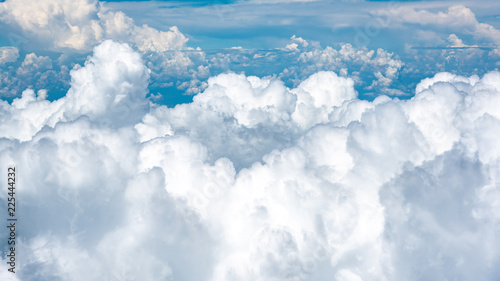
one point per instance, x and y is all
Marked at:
(253, 180)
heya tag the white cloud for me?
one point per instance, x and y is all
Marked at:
(67, 23)
(8, 54)
(37, 61)
(455, 41)
(360, 63)
(254, 180)
(110, 88)
(79, 25)
(118, 26)
(318, 95)
(458, 18)
(111, 85)
(253, 115)
(495, 53)
(33, 64)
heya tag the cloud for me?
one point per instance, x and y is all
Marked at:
(118, 26)
(253, 180)
(63, 25)
(109, 88)
(359, 63)
(118, 72)
(33, 63)
(253, 115)
(66, 23)
(455, 41)
(457, 17)
(8, 54)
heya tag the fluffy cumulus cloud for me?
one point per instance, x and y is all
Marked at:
(110, 88)
(360, 63)
(253, 180)
(8, 54)
(78, 25)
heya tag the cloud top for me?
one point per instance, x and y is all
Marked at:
(254, 180)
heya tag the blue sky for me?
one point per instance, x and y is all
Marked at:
(251, 140)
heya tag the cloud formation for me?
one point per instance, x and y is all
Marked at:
(457, 17)
(79, 25)
(110, 88)
(8, 54)
(253, 180)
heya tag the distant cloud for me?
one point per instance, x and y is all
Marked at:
(8, 54)
(456, 18)
(62, 24)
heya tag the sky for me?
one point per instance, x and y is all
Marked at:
(251, 139)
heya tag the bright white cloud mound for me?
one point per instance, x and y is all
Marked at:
(253, 180)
